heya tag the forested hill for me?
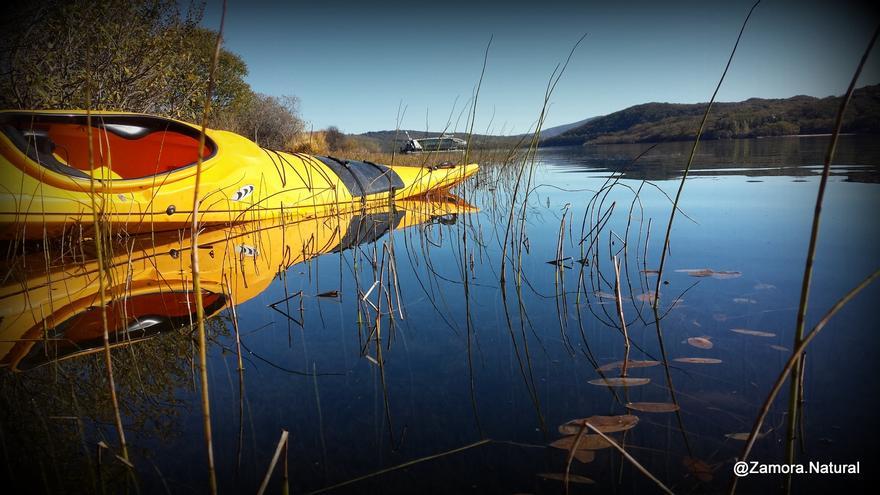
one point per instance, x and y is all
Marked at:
(755, 117)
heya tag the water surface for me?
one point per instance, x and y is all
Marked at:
(452, 357)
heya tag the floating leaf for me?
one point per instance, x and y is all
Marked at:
(622, 381)
(331, 293)
(754, 333)
(647, 297)
(780, 348)
(653, 407)
(742, 437)
(701, 342)
(744, 300)
(588, 442)
(700, 469)
(605, 424)
(632, 363)
(696, 272)
(572, 478)
(706, 272)
(726, 275)
(698, 360)
(605, 295)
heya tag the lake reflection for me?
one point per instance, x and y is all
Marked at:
(384, 336)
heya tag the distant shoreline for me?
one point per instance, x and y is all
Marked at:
(827, 134)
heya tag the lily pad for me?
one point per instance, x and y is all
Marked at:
(605, 424)
(587, 442)
(743, 436)
(754, 333)
(632, 363)
(701, 342)
(652, 407)
(698, 360)
(621, 381)
(572, 478)
(707, 272)
(700, 469)
(647, 297)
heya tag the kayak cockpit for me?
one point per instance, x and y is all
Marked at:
(123, 146)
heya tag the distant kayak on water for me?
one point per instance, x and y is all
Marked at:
(143, 171)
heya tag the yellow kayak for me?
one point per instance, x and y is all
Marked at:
(143, 172)
(49, 313)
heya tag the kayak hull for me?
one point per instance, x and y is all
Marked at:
(238, 180)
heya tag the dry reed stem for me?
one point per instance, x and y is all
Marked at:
(630, 458)
(811, 252)
(792, 360)
(99, 247)
(691, 159)
(620, 314)
(282, 445)
(401, 466)
(197, 289)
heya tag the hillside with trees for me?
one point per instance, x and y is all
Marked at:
(755, 117)
(143, 56)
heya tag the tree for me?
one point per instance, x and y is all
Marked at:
(136, 55)
(270, 121)
(335, 138)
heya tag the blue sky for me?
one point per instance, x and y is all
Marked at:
(353, 64)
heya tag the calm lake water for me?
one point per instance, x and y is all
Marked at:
(452, 359)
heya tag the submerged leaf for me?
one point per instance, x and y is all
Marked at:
(587, 442)
(706, 272)
(621, 381)
(700, 469)
(653, 407)
(585, 456)
(780, 348)
(726, 275)
(764, 286)
(701, 342)
(605, 424)
(572, 478)
(605, 295)
(651, 272)
(696, 272)
(632, 363)
(744, 300)
(742, 437)
(755, 333)
(697, 360)
(647, 297)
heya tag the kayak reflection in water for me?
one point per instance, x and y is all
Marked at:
(53, 313)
